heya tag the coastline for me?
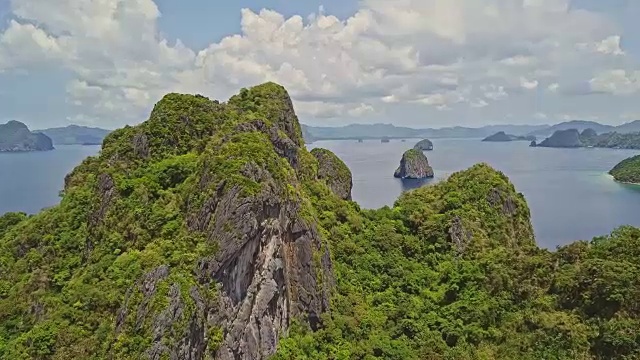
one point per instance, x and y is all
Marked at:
(624, 182)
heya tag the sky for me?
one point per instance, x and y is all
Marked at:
(420, 63)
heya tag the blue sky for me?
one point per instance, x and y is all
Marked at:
(427, 63)
(216, 19)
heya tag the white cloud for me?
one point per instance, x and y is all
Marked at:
(494, 92)
(442, 54)
(479, 103)
(528, 84)
(608, 46)
(617, 82)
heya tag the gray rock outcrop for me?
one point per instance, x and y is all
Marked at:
(414, 165)
(332, 170)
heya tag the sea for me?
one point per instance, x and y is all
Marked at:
(569, 192)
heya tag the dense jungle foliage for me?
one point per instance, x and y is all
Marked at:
(451, 271)
(627, 170)
(408, 289)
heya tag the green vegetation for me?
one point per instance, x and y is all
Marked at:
(334, 172)
(627, 171)
(121, 269)
(93, 277)
(452, 272)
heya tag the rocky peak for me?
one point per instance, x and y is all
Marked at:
(414, 165)
(201, 216)
(334, 172)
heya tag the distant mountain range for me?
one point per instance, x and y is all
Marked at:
(378, 131)
(76, 135)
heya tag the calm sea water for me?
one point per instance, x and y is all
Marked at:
(568, 190)
(570, 194)
(31, 181)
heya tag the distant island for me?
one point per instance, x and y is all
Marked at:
(378, 131)
(582, 125)
(572, 138)
(501, 136)
(627, 171)
(424, 145)
(76, 135)
(16, 137)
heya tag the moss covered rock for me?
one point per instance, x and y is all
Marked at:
(414, 165)
(190, 236)
(332, 170)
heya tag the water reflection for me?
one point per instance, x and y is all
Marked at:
(410, 184)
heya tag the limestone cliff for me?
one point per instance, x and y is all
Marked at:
(190, 236)
(414, 165)
(334, 172)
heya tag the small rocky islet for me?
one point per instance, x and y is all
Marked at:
(16, 137)
(414, 165)
(424, 145)
(501, 136)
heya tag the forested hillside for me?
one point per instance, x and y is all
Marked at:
(210, 232)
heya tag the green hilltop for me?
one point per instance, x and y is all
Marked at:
(210, 232)
(627, 171)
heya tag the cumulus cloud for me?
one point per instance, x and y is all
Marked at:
(617, 82)
(440, 54)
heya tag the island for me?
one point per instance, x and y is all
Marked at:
(572, 138)
(424, 145)
(385, 140)
(16, 137)
(563, 139)
(76, 135)
(224, 240)
(533, 144)
(627, 171)
(501, 136)
(414, 165)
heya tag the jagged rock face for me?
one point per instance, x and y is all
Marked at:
(191, 236)
(414, 165)
(16, 137)
(332, 170)
(424, 145)
(563, 139)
